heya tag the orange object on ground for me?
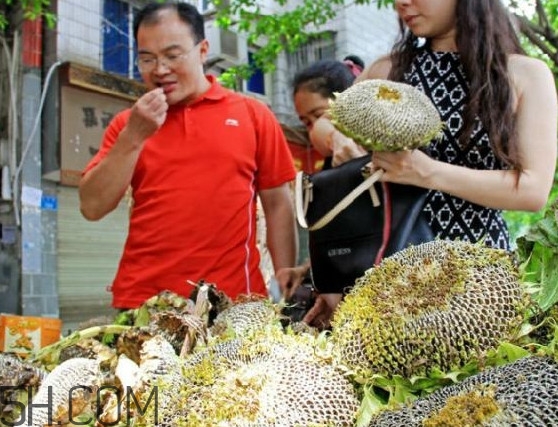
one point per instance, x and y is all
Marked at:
(24, 334)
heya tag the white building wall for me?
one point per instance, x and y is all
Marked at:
(79, 31)
(362, 30)
(367, 31)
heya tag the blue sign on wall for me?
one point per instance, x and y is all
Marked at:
(49, 203)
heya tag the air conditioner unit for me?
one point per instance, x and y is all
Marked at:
(225, 47)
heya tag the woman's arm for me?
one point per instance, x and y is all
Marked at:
(330, 142)
(378, 69)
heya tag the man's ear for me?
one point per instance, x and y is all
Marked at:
(204, 50)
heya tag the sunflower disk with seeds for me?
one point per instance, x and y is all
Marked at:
(433, 306)
(382, 115)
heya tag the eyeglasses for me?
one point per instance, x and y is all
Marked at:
(146, 64)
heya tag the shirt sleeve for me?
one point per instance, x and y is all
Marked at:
(109, 138)
(274, 159)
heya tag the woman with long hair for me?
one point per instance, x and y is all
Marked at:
(498, 150)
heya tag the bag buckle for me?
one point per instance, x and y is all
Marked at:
(366, 172)
(307, 186)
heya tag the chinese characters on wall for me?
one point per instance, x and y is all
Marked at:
(84, 117)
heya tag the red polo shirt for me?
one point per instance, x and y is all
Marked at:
(194, 190)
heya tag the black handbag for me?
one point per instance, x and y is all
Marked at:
(354, 221)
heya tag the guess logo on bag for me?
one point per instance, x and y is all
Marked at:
(338, 252)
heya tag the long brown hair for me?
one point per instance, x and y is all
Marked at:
(485, 39)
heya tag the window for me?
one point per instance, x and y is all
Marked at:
(320, 47)
(118, 40)
(204, 5)
(256, 82)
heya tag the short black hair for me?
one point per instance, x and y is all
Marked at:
(186, 12)
(357, 60)
(325, 77)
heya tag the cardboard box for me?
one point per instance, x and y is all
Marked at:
(24, 334)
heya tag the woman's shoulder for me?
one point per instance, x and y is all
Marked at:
(378, 69)
(531, 77)
(524, 69)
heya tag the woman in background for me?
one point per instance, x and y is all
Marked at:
(313, 88)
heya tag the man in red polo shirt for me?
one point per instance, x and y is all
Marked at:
(196, 156)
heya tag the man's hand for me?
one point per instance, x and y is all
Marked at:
(291, 278)
(148, 115)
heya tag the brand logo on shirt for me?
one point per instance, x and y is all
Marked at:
(231, 122)
(338, 252)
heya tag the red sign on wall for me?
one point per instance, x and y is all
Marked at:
(31, 35)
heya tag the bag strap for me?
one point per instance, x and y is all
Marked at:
(386, 231)
(347, 200)
(302, 199)
(303, 194)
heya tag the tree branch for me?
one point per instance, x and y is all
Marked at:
(526, 28)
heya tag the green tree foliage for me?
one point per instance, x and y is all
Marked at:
(289, 29)
(281, 31)
(30, 9)
(540, 31)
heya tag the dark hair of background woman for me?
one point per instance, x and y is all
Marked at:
(326, 76)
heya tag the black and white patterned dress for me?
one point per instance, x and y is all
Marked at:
(440, 76)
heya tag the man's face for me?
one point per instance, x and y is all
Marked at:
(168, 57)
